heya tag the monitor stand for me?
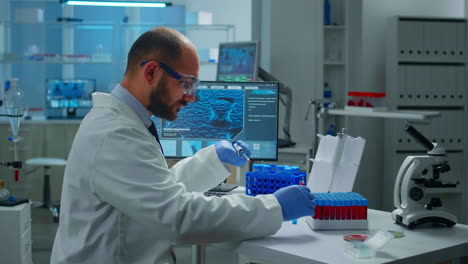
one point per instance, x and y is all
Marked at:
(285, 143)
(71, 112)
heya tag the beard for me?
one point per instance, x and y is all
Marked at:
(159, 102)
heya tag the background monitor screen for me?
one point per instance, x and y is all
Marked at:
(69, 98)
(245, 111)
(237, 61)
(70, 93)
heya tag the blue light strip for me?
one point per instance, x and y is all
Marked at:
(116, 3)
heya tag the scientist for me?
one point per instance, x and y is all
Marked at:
(120, 201)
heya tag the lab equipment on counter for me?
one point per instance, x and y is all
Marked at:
(267, 178)
(339, 211)
(14, 97)
(14, 100)
(5, 194)
(16, 165)
(336, 163)
(7, 200)
(369, 247)
(418, 189)
(327, 96)
(366, 101)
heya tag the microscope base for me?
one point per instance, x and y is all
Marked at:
(414, 219)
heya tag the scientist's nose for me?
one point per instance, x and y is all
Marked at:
(189, 98)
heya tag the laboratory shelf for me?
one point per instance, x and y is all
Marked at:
(334, 27)
(187, 26)
(43, 121)
(124, 64)
(205, 37)
(90, 25)
(334, 63)
(407, 114)
(208, 63)
(52, 62)
(431, 61)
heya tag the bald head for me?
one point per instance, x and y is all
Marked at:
(164, 44)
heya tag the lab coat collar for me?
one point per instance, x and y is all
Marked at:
(105, 100)
(125, 96)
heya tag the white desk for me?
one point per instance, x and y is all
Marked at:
(299, 244)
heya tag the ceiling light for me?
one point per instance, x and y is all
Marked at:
(116, 3)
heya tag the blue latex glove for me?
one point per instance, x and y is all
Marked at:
(296, 201)
(228, 154)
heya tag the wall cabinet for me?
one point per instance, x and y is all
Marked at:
(334, 71)
(37, 52)
(15, 227)
(426, 70)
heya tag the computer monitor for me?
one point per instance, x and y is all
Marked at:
(245, 111)
(65, 96)
(237, 61)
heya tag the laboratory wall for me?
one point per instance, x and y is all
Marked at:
(293, 53)
(374, 24)
(226, 13)
(294, 31)
(375, 18)
(237, 13)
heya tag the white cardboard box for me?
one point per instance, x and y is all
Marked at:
(199, 18)
(29, 15)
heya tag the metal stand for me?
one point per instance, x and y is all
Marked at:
(198, 254)
(46, 163)
(318, 113)
(46, 202)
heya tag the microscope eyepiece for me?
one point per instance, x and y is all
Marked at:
(419, 137)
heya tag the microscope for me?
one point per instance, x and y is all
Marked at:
(418, 188)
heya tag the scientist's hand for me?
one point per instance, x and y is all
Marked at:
(228, 154)
(296, 201)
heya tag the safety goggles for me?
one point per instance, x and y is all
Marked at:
(189, 83)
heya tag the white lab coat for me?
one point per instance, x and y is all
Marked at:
(122, 204)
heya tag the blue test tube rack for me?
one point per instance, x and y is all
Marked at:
(267, 178)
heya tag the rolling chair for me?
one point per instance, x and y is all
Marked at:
(46, 163)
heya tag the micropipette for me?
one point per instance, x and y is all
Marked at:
(240, 151)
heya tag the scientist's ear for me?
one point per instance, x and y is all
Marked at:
(152, 72)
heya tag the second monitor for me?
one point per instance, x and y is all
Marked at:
(237, 61)
(245, 111)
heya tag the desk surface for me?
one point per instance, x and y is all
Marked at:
(299, 244)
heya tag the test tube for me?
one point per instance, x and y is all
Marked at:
(318, 206)
(355, 207)
(331, 198)
(366, 204)
(338, 207)
(326, 209)
(349, 202)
